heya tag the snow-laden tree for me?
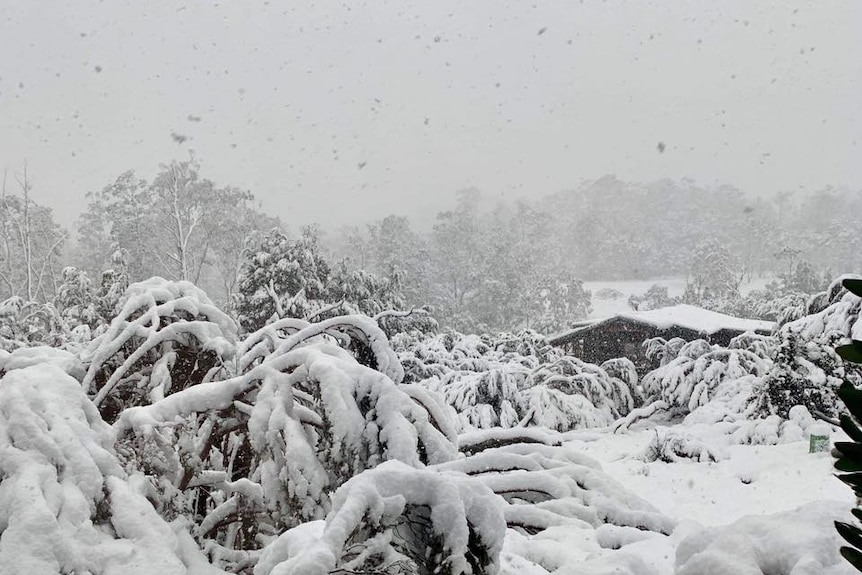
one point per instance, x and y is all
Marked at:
(807, 370)
(280, 278)
(457, 254)
(75, 298)
(713, 276)
(180, 226)
(31, 244)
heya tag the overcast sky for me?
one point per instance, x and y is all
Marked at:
(347, 111)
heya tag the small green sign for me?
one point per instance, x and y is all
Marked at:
(818, 443)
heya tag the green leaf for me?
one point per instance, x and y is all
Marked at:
(852, 398)
(850, 533)
(848, 465)
(853, 285)
(850, 428)
(850, 449)
(850, 352)
(853, 556)
(852, 479)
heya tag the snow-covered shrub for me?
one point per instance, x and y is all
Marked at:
(66, 505)
(692, 375)
(24, 357)
(663, 351)
(691, 379)
(397, 519)
(554, 494)
(806, 370)
(772, 429)
(168, 336)
(518, 379)
(671, 446)
(26, 323)
(546, 484)
(262, 451)
(611, 386)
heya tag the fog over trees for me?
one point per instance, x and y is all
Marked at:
(486, 265)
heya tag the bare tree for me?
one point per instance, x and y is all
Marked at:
(30, 243)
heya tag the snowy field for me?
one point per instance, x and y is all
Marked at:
(755, 492)
(611, 297)
(759, 510)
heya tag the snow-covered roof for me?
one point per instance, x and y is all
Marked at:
(683, 316)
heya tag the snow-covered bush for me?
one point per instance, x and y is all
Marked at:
(262, 451)
(397, 519)
(26, 323)
(671, 446)
(66, 505)
(691, 379)
(546, 484)
(168, 336)
(806, 370)
(693, 374)
(518, 379)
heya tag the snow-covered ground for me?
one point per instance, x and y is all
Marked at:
(781, 492)
(604, 306)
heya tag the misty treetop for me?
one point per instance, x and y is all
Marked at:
(484, 266)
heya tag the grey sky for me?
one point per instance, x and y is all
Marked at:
(429, 97)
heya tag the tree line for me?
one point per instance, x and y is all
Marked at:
(484, 265)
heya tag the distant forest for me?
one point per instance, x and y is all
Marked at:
(485, 265)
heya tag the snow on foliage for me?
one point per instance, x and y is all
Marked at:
(692, 374)
(317, 445)
(25, 323)
(553, 492)
(66, 505)
(806, 370)
(299, 420)
(398, 519)
(167, 336)
(671, 446)
(518, 379)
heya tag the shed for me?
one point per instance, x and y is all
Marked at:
(622, 335)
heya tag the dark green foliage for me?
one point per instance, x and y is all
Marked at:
(280, 276)
(850, 452)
